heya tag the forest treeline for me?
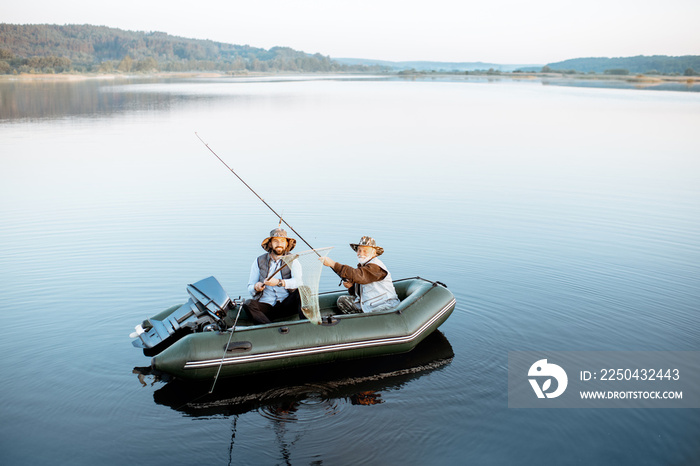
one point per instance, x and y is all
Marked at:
(46, 48)
(688, 65)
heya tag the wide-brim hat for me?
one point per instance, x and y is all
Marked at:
(367, 241)
(278, 233)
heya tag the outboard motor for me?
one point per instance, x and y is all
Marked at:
(207, 305)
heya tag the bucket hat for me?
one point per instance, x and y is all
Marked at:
(367, 241)
(278, 233)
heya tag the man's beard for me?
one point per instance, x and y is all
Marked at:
(279, 250)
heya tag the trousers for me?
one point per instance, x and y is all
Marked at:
(263, 313)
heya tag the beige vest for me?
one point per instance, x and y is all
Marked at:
(379, 295)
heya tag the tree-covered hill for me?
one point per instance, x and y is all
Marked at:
(434, 65)
(86, 48)
(657, 64)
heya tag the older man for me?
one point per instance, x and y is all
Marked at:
(369, 285)
(274, 296)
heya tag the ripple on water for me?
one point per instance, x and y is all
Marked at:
(301, 404)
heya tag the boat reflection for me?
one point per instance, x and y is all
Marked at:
(320, 390)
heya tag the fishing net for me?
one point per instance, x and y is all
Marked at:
(311, 268)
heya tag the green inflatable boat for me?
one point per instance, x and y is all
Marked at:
(198, 339)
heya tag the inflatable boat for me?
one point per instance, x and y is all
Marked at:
(208, 335)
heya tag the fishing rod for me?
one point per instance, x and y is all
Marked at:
(257, 195)
(223, 356)
(276, 271)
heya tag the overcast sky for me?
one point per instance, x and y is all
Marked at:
(494, 31)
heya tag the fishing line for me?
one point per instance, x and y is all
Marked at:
(256, 194)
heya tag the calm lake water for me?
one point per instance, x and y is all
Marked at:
(562, 219)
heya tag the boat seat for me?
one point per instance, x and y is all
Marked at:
(245, 321)
(406, 288)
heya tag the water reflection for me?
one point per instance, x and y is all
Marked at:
(689, 85)
(595, 81)
(51, 99)
(296, 404)
(38, 99)
(303, 394)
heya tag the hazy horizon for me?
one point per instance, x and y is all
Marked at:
(503, 32)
